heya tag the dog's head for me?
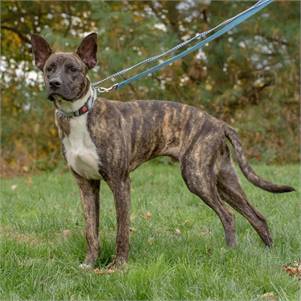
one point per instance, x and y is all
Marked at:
(65, 73)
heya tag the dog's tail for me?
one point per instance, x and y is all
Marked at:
(247, 169)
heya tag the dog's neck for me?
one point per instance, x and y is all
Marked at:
(72, 106)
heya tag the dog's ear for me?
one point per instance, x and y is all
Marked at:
(41, 50)
(87, 50)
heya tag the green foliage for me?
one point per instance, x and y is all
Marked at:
(248, 77)
(177, 242)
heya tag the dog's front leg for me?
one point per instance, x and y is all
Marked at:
(89, 192)
(121, 190)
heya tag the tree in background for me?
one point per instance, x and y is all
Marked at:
(249, 77)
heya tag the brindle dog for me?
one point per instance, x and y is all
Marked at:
(110, 139)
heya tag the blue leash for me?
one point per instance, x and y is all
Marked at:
(227, 26)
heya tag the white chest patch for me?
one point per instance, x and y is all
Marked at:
(80, 151)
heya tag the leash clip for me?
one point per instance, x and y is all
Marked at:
(106, 90)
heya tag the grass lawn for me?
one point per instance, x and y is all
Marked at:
(177, 242)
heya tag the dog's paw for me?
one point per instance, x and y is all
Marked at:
(117, 264)
(85, 266)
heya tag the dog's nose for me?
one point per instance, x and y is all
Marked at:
(55, 83)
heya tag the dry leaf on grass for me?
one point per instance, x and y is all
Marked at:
(25, 168)
(178, 231)
(66, 233)
(270, 296)
(13, 187)
(148, 215)
(293, 269)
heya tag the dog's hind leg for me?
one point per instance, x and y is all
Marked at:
(230, 190)
(200, 179)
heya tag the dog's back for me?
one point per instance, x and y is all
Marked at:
(151, 128)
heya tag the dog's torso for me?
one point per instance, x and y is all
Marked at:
(116, 137)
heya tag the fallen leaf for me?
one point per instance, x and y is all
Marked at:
(25, 168)
(148, 215)
(178, 231)
(66, 233)
(208, 87)
(13, 187)
(293, 269)
(270, 296)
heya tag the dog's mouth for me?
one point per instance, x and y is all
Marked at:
(52, 96)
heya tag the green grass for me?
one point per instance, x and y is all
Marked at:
(39, 262)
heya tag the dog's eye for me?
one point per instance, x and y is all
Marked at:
(51, 67)
(72, 68)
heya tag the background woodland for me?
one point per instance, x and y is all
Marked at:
(249, 77)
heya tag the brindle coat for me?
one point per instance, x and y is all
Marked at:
(126, 134)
